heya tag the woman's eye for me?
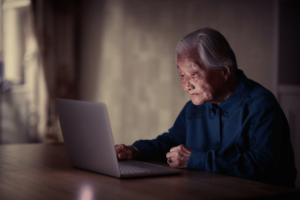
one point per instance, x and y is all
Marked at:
(194, 74)
(181, 76)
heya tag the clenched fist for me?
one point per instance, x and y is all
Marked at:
(179, 156)
(127, 152)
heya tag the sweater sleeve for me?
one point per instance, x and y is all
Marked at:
(157, 149)
(264, 151)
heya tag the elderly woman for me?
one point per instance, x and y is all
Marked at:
(232, 125)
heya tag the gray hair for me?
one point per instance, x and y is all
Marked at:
(213, 49)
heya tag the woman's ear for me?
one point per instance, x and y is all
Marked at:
(226, 72)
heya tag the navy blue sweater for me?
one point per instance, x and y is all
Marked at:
(246, 136)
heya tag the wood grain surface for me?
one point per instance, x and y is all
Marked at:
(40, 171)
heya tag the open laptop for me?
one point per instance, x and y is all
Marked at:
(89, 142)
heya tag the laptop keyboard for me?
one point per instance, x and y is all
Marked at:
(128, 169)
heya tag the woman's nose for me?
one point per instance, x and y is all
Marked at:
(190, 86)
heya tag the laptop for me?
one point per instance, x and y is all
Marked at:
(89, 142)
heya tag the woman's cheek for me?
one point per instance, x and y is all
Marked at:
(197, 84)
(184, 85)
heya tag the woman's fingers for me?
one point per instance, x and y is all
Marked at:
(179, 156)
(124, 152)
(121, 150)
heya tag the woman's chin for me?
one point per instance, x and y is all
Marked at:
(197, 101)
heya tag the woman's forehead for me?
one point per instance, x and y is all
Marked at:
(190, 55)
(187, 64)
(188, 58)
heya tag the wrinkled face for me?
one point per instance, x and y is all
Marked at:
(203, 85)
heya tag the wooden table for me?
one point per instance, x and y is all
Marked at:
(40, 171)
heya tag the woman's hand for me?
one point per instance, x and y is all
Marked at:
(179, 156)
(127, 152)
